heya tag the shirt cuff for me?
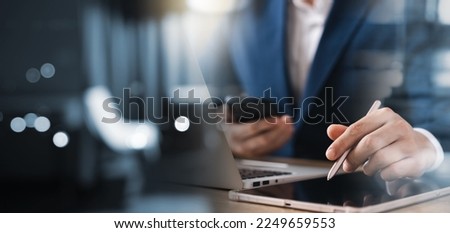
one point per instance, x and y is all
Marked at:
(437, 147)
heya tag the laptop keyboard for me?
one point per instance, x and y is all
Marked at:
(252, 173)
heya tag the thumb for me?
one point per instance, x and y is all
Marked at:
(335, 130)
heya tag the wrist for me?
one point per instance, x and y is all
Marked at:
(438, 151)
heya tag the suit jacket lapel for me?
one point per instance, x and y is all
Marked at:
(342, 22)
(258, 48)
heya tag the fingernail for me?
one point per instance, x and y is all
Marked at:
(330, 153)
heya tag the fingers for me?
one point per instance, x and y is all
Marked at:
(395, 187)
(266, 142)
(381, 159)
(334, 131)
(372, 146)
(355, 132)
(249, 130)
(259, 138)
(408, 156)
(409, 167)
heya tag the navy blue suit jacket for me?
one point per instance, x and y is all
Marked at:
(349, 60)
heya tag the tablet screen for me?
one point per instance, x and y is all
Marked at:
(352, 190)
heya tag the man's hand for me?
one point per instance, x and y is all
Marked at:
(382, 142)
(258, 138)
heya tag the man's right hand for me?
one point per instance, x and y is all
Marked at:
(259, 138)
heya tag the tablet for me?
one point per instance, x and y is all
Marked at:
(354, 192)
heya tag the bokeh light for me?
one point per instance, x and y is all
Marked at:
(42, 124)
(32, 75)
(48, 70)
(29, 119)
(182, 124)
(61, 139)
(18, 124)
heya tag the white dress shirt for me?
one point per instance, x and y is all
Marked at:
(305, 27)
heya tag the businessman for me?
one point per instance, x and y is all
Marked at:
(329, 49)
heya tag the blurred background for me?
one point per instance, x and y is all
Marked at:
(60, 59)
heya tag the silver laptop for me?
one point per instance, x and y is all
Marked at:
(212, 164)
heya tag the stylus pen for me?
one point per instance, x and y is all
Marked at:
(337, 165)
